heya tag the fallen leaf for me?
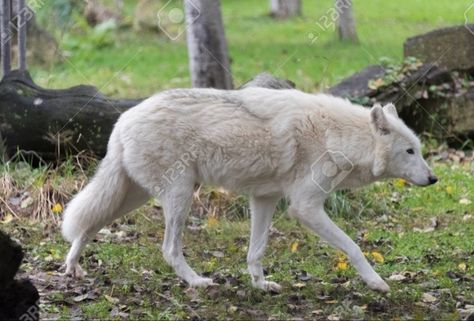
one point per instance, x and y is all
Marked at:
(397, 277)
(333, 317)
(294, 247)
(26, 202)
(57, 208)
(232, 309)
(428, 298)
(462, 266)
(464, 201)
(212, 222)
(449, 190)
(400, 183)
(218, 254)
(111, 299)
(377, 257)
(81, 298)
(7, 219)
(342, 265)
(299, 285)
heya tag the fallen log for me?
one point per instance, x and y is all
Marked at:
(55, 123)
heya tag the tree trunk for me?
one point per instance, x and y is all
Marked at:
(5, 35)
(207, 47)
(22, 19)
(285, 8)
(346, 24)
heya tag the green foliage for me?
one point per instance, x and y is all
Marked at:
(139, 64)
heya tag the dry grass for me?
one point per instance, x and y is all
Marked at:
(39, 193)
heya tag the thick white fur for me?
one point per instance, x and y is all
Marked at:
(267, 143)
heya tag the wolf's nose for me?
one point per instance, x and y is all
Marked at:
(433, 179)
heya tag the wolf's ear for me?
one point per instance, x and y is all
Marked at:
(390, 109)
(378, 121)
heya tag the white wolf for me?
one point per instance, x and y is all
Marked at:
(264, 142)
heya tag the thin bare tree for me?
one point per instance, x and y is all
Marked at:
(207, 46)
(5, 35)
(346, 23)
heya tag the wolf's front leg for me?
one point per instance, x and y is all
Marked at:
(317, 220)
(261, 211)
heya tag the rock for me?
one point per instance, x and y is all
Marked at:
(429, 98)
(357, 84)
(451, 48)
(267, 80)
(19, 299)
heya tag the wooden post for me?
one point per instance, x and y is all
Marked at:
(5, 35)
(22, 20)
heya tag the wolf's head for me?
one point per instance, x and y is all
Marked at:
(397, 149)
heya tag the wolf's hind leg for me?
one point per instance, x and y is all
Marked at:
(261, 211)
(176, 202)
(136, 196)
(317, 220)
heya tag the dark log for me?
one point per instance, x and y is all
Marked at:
(55, 123)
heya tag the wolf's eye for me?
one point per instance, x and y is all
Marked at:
(410, 151)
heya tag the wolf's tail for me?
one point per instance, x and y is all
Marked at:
(96, 204)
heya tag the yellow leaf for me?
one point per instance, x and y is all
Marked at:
(365, 236)
(111, 299)
(449, 189)
(294, 247)
(212, 221)
(400, 183)
(377, 257)
(342, 265)
(57, 208)
(299, 285)
(462, 266)
(365, 253)
(7, 219)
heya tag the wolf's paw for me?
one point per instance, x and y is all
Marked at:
(378, 285)
(75, 271)
(268, 286)
(201, 283)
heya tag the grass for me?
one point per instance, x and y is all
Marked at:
(128, 65)
(128, 277)
(423, 235)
